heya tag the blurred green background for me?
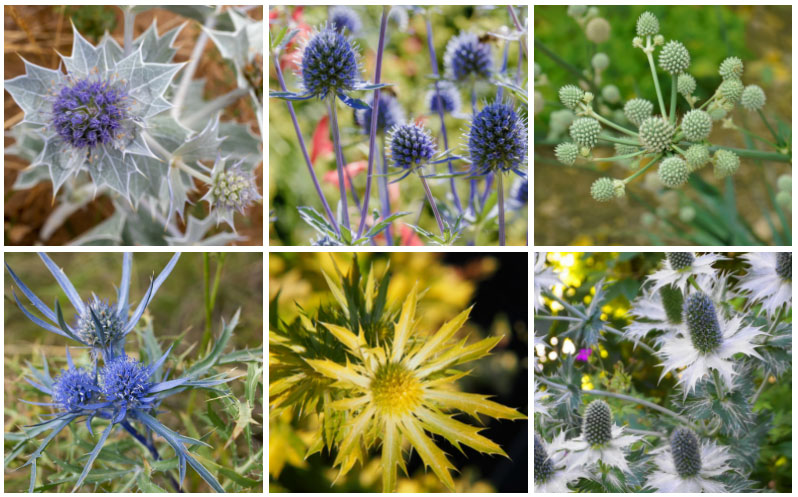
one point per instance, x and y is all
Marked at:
(759, 35)
(406, 65)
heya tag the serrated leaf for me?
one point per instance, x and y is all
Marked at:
(456, 432)
(355, 431)
(204, 145)
(32, 92)
(439, 338)
(196, 231)
(86, 59)
(337, 372)
(61, 163)
(156, 48)
(112, 168)
(146, 83)
(473, 404)
(432, 456)
(391, 455)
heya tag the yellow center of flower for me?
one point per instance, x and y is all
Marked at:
(395, 390)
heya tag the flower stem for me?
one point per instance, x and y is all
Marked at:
(757, 137)
(339, 157)
(619, 157)
(382, 185)
(673, 99)
(693, 282)
(431, 201)
(173, 161)
(129, 428)
(718, 385)
(472, 185)
(193, 63)
(558, 318)
(373, 132)
(566, 65)
(645, 433)
(642, 170)
(618, 140)
(500, 189)
(656, 81)
(611, 124)
(759, 390)
(304, 149)
(767, 123)
(756, 154)
(129, 20)
(519, 28)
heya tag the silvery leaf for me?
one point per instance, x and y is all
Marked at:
(28, 143)
(110, 167)
(33, 92)
(196, 229)
(150, 181)
(202, 146)
(62, 161)
(146, 83)
(179, 184)
(197, 12)
(241, 45)
(32, 176)
(113, 51)
(108, 232)
(156, 48)
(86, 59)
(169, 132)
(240, 143)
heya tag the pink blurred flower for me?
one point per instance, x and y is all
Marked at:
(353, 168)
(584, 355)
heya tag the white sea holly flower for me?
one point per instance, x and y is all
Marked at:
(679, 266)
(711, 342)
(601, 439)
(553, 467)
(540, 396)
(769, 280)
(544, 278)
(688, 465)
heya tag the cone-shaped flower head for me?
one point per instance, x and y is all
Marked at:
(597, 423)
(784, 265)
(686, 452)
(390, 113)
(731, 68)
(497, 139)
(656, 134)
(232, 189)
(732, 90)
(411, 145)
(566, 153)
(113, 325)
(680, 260)
(638, 110)
(571, 95)
(585, 131)
(647, 24)
(685, 84)
(726, 163)
(674, 57)
(519, 192)
(466, 56)
(125, 382)
(672, 302)
(90, 112)
(753, 98)
(673, 172)
(702, 322)
(696, 125)
(696, 156)
(329, 63)
(74, 389)
(342, 17)
(544, 467)
(448, 95)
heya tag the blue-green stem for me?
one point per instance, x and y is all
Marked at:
(619, 157)
(642, 170)
(339, 157)
(210, 291)
(656, 79)
(129, 18)
(693, 282)
(611, 124)
(767, 123)
(500, 189)
(755, 154)
(382, 185)
(431, 201)
(673, 99)
(718, 385)
(618, 140)
(472, 188)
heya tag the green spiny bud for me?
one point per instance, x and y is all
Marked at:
(566, 153)
(656, 134)
(543, 465)
(673, 172)
(731, 89)
(611, 94)
(696, 157)
(674, 57)
(753, 98)
(602, 190)
(686, 452)
(570, 96)
(731, 68)
(685, 84)
(600, 61)
(638, 110)
(597, 423)
(726, 163)
(584, 131)
(784, 265)
(559, 120)
(696, 125)
(680, 260)
(702, 323)
(598, 30)
(672, 302)
(647, 24)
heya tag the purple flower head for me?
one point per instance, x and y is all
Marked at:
(584, 355)
(389, 115)
(89, 112)
(519, 193)
(232, 189)
(124, 381)
(448, 95)
(411, 145)
(497, 140)
(342, 17)
(329, 63)
(466, 56)
(74, 389)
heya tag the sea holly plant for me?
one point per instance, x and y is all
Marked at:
(114, 387)
(128, 122)
(378, 383)
(715, 345)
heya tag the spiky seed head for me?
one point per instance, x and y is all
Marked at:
(731, 68)
(232, 188)
(696, 157)
(543, 465)
(647, 24)
(696, 125)
(390, 113)
(784, 265)
(598, 30)
(450, 98)
(597, 423)
(674, 57)
(702, 322)
(343, 18)
(411, 145)
(726, 163)
(566, 153)
(686, 452)
(672, 302)
(680, 260)
(603, 190)
(126, 381)
(600, 61)
(584, 131)
(466, 56)
(112, 323)
(732, 90)
(74, 389)
(395, 390)
(784, 182)
(329, 63)
(497, 139)
(753, 97)
(685, 84)
(611, 94)
(656, 134)
(571, 95)
(673, 172)
(577, 10)
(638, 110)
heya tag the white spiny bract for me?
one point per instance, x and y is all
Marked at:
(121, 121)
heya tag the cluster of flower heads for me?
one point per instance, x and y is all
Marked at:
(680, 148)
(114, 387)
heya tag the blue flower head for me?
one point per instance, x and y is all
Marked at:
(329, 63)
(390, 113)
(343, 18)
(91, 112)
(519, 193)
(124, 382)
(497, 140)
(411, 145)
(74, 389)
(466, 56)
(447, 95)
(113, 325)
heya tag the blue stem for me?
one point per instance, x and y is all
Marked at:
(472, 188)
(500, 188)
(382, 184)
(129, 428)
(431, 201)
(339, 158)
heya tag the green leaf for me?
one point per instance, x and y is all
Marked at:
(147, 486)
(211, 359)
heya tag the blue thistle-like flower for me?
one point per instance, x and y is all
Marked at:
(702, 322)
(411, 145)
(113, 325)
(497, 140)
(597, 423)
(74, 389)
(390, 113)
(329, 63)
(519, 193)
(543, 465)
(88, 113)
(686, 452)
(449, 98)
(124, 382)
(342, 17)
(680, 260)
(466, 56)
(232, 189)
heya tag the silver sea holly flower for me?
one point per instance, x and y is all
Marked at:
(768, 280)
(678, 267)
(232, 189)
(94, 117)
(689, 465)
(553, 467)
